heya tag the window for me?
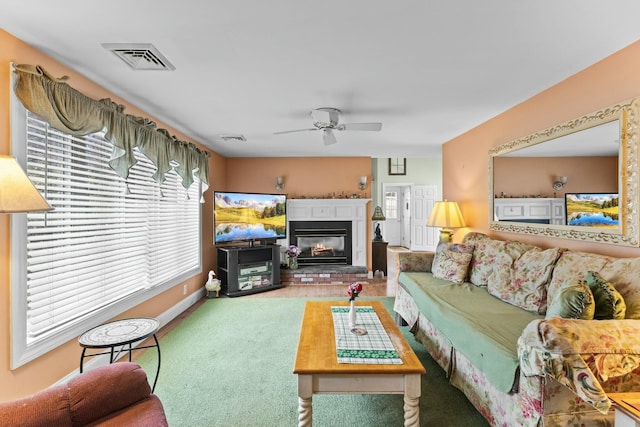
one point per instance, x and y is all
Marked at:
(391, 204)
(107, 246)
(397, 166)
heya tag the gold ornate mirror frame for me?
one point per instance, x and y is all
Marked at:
(628, 170)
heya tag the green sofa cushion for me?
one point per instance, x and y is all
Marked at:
(480, 326)
(609, 302)
(574, 300)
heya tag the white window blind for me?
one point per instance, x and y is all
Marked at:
(106, 240)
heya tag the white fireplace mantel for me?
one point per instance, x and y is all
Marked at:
(354, 210)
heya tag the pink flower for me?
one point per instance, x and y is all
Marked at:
(293, 251)
(354, 289)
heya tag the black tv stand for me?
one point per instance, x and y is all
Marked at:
(249, 269)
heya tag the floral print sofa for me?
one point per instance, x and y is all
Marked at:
(567, 357)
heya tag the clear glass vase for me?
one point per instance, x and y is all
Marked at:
(293, 263)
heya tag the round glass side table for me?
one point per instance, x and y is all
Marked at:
(120, 334)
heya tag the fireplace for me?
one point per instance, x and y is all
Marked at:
(350, 214)
(322, 242)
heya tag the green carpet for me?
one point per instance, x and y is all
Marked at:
(230, 364)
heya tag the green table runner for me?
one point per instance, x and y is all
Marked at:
(373, 348)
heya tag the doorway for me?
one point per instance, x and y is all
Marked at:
(407, 208)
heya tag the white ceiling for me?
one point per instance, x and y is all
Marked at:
(428, 70)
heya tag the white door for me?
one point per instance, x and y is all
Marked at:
(405, 222)
(423, 238)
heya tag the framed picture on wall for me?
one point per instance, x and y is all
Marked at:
(397, 166)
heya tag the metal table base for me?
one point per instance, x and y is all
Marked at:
(120, 334)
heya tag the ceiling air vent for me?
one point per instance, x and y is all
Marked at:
(141, 56)
(234, 137)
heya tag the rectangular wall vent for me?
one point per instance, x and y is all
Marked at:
(140, 56)
(234, 137)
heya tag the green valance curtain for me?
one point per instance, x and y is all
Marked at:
(70, 111)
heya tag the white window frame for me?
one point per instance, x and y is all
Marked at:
(23, 352)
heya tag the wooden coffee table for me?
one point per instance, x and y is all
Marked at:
(627, 406)
(318, 369)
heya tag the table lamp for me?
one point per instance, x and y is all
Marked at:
(378, 216)
(17, 193)
(446, 215)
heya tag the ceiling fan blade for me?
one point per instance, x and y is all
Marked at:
(292, 131)
(361, 126)
(329, 137)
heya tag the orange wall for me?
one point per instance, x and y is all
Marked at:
(534, 176)
(303, 176)
(59, 362)
(308, 177)
(465, 158)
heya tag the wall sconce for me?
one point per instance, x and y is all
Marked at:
(446, 215)
(560, 183)
(17, 193)
(279, 183)
(378, 216)
(363, 182)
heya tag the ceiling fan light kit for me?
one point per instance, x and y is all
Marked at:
(325, 117)
(327, 120)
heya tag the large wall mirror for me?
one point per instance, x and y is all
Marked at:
(577, 180)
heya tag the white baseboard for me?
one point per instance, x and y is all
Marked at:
(164, 318)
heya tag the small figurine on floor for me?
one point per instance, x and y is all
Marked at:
(212, 285)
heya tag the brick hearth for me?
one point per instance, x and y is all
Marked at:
(324, 274)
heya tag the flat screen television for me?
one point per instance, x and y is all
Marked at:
(592, 209)
(247, 217)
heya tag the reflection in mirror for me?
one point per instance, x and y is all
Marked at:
(534, 179)
(584, 161)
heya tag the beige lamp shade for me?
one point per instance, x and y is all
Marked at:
(446, 215)
(17, 193)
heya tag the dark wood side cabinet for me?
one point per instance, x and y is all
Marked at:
(246, 270)
(379, 256)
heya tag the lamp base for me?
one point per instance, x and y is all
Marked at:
(378, 234)
(446, 235)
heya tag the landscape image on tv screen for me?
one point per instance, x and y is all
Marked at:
(249, 216)
(592, 209)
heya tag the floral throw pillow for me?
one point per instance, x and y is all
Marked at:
(573, 300)
(532, 274)
(475, 237)
(506, 253)
(452, 261)
(525, 281)
(482, 258)
(609, 302)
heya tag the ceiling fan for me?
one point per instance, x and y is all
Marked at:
(326, 120)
